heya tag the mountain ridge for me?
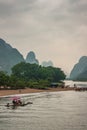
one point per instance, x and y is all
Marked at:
(10, 56)
(79, 71)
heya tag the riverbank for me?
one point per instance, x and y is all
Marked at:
(29, 90)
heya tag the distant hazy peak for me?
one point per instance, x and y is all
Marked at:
(31, 58)
(79, 69)
(31, 55)
(47, 63)
(83, 58)
(4, 44)
(8, 56)
(1, 40)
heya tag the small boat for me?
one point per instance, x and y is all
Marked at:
(16, 105)
(16, 101)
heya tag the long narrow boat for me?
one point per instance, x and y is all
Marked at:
(17, 105)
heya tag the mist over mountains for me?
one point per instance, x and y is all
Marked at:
(10, 56)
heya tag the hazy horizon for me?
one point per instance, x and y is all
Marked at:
(55, 30)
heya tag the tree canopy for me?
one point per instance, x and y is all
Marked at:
(31, 75)
(29, 71)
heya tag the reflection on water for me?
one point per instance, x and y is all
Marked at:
(49, 111)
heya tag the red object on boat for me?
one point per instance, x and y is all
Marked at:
(15, 98)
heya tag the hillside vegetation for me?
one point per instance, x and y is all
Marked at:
(31, 75)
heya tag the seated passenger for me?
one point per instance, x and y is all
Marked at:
(19, 102)
(14, 102)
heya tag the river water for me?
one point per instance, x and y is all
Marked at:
(76, 83)
(49, 111)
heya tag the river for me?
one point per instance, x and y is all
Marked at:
(78, 84)
(66, 110)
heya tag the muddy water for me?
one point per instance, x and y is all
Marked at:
(49, 111)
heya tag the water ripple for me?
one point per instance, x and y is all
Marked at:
(49, 111)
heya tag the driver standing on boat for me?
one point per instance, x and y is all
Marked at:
(8, 105)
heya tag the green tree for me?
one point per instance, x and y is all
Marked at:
(4, 79)
(27, 72)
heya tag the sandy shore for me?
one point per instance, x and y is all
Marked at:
(28, 90)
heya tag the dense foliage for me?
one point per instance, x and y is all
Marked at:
(31, 75)
(4, 79)
(28, 71)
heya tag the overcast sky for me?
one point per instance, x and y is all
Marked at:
(55, 30)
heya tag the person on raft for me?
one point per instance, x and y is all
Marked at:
(17, 102)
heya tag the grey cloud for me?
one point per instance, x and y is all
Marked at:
(44, 16)
(69, 17)
(69, 11)
(24, 5)
(11, 8)
(44, 21)
(5, 10)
